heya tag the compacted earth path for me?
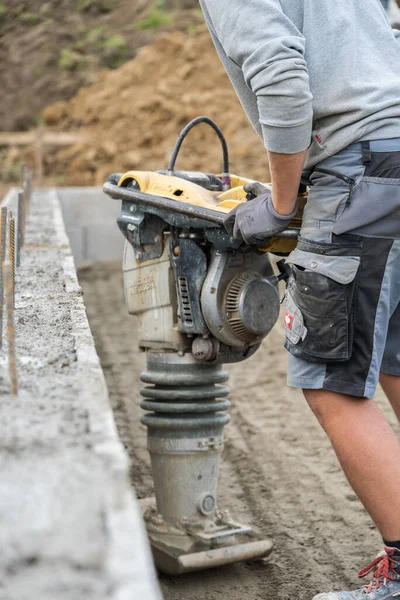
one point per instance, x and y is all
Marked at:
(278, 473)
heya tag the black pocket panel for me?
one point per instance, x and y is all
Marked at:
(325, 307)
(325, 303)
(384, 164)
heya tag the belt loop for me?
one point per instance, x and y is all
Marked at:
(366, 153)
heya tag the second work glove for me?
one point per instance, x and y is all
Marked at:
(256, 220)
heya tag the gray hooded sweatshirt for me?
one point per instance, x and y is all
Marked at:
(320, 74)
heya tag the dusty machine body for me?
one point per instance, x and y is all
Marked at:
(202, 300)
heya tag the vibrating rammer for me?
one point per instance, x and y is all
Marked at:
(202, 299)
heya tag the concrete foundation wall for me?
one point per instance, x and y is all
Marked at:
(90, 221)
(70, 526)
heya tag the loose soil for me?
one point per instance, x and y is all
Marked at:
(134, 114)
(49, 50)
(279, 472)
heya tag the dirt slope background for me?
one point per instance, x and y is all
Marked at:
(131, 114)
(51, 49)
(134, 114)
(278, 473)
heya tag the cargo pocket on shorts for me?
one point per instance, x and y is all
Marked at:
(319, 305)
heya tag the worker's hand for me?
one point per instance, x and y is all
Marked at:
(256, 220)
(255, 189)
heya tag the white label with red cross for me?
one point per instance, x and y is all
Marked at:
(289, 318)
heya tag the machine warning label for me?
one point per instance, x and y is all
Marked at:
(145, 284)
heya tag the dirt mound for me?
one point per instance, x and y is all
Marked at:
(50, 49)
(134, 113)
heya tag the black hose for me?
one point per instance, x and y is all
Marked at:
(185, 131)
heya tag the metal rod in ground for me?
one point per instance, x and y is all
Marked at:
(11, 252)
(24, 214)
(29, 184)
(3, 245)
(19, 226)
(3, 234)
(23, 210)
(10, 328)
(1, 304)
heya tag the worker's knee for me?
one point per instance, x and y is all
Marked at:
(330, 407)
(317, 403)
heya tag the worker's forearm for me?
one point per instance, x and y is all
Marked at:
(286, 172)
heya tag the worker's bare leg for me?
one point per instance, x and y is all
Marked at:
(391, 387)
(368, 451)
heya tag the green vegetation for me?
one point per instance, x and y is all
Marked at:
(69, 60)
(192, 29)
(66, 60)
(29, 18)
(95, 6)
(3, 10)
(95, 38)
(112, 51)
(116, 41)
(115, 51)
(157, 18)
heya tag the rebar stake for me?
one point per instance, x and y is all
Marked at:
(19, 225)
(10, 328)
(3, 234)
(29, 184)
(11, 252)
(24, 211)
(3, 246)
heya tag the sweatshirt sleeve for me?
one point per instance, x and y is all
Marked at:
(270, 50)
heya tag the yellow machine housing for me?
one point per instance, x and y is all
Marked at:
(182, 190)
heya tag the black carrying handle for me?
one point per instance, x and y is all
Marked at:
(158, 202)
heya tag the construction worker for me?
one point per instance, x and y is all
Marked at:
(320, 83)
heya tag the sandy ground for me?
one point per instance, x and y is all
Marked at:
(278, 473)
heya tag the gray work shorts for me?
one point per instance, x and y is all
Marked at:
(342, 305)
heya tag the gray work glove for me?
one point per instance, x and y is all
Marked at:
(256, 220)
